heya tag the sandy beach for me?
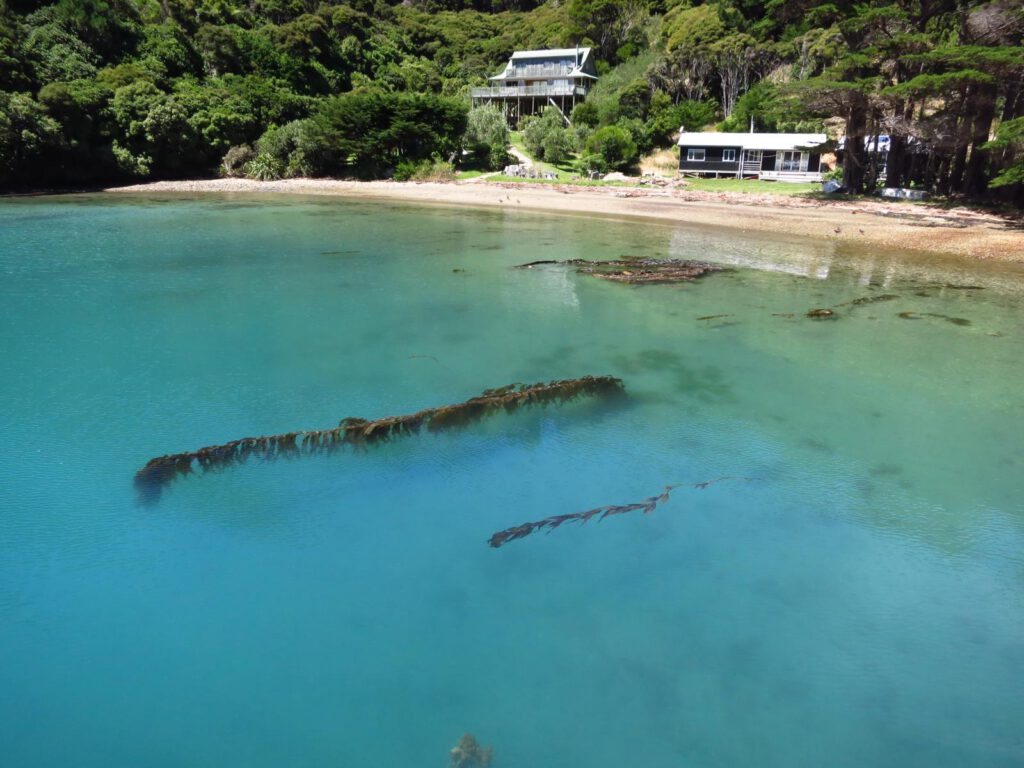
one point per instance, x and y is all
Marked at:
(899, 226)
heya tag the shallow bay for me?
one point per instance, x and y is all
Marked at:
(859, 602)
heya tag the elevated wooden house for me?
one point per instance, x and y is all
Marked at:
(767, 156)
(532, 80)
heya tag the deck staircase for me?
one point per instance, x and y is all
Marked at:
(749, 167)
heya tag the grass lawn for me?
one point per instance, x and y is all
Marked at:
(580, 182)
(752, 186)
(564, 174)
(469, 174)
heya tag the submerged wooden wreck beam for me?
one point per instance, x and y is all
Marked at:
(637, 270)
(947, 318)
(869, 300)
(160, 471)
(646, 506)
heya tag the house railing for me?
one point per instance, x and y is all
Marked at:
(515, 91)
(529, 70)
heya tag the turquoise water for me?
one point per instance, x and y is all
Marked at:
(860, 602)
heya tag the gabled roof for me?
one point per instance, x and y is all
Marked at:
(764, 141)
(579, 55)
(552, 53)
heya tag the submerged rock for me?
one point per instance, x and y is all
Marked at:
(821, 314)
(468, 753)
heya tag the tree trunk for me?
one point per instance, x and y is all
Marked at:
(976, 174)
(854, 154)
(896, 164)
(959, 154)
(873, 171)
(1013, 106)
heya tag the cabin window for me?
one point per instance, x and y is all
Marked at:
(695, 155)
(794, 161)
(728, 155)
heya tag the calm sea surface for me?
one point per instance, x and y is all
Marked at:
(860, 602)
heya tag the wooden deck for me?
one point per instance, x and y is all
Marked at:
(520, 91)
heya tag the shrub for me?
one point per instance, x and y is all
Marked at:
(639, 131)
(667, 118)
(635, 99)
(404, 170)
(592, 164)
(424, 170)
(498, 158)
(547, 132)
(585, 113)
(487, 136)
(615, 145)
(235, 159)
(558, 145)
(263, 167)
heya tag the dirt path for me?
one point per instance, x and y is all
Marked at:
(523, 159)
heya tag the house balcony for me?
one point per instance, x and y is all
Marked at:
(533, 70)
(520, 91)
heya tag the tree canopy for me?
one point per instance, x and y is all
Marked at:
(107, 90)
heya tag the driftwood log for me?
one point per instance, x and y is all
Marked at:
(160, 471)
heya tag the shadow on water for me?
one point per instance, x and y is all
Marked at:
(557, 358)
(706, 383)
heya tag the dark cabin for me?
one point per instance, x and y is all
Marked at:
(767, 156)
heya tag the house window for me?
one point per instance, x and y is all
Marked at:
(793, 161)
(728, 155)
(695, 155)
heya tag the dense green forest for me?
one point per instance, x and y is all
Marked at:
(100, 91)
